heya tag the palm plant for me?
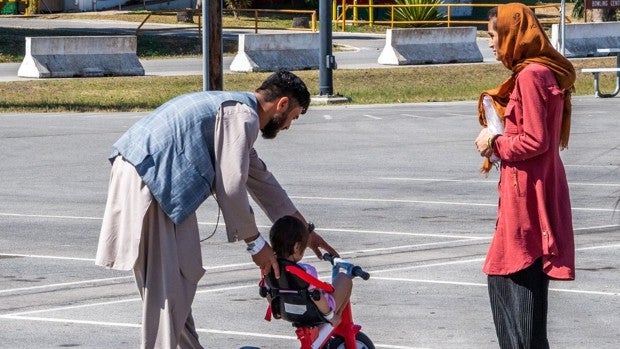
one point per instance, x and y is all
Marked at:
(419, 13)
(238, 4)
(578, 9)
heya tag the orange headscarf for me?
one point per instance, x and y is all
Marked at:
(522, 41)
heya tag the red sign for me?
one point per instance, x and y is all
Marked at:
(605, 4)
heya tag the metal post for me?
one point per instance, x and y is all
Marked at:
(562, 24)
(206, 24)
(326, 60)
(216, 70)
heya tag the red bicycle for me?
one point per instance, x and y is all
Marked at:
(292, 301)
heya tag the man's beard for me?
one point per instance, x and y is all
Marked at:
(270, 131)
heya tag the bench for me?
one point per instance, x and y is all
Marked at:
(596, 72)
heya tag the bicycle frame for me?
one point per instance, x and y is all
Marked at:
(317, 337)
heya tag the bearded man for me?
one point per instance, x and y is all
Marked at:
(165, 166)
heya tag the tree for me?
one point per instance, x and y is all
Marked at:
(238, 4)
(598, 15)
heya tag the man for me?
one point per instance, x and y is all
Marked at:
(165, 166)
(533, 240)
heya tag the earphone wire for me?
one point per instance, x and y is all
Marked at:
(217, 221)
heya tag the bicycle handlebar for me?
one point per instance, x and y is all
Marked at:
(358, 271)
(328, 257)
(355, 269)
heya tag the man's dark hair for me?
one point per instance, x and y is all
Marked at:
(285, 233)
(284, 83)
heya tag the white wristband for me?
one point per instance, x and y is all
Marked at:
(255, 246)
(329, 316)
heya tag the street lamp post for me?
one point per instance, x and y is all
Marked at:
(327, 62)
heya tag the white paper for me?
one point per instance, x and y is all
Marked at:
(494, 123)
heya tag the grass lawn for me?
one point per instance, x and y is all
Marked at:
(362, 86)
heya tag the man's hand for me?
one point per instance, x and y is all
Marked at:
(316, 241)
(266, 261)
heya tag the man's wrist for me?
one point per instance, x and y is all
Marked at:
(310, 227)
(256, 245)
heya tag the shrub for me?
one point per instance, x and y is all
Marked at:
(419, 13)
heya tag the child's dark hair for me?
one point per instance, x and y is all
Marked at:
(285, 233)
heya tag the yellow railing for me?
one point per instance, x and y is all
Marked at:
(448, 20)
(198, 13)
(341, 19)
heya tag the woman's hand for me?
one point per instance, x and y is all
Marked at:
(482, 142)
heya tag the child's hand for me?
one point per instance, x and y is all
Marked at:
(335, 320)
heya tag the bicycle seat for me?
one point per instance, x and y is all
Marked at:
(290, 298)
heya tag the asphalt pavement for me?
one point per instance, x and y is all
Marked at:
(395, 188)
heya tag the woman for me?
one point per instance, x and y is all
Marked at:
(533, 240)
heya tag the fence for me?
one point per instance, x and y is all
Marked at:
(340, 12)
(190, 13)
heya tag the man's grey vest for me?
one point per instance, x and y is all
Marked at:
(172, 149)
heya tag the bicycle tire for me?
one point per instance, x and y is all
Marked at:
(363, 342)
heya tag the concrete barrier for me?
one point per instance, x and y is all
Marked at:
(270, 52)
(583, 39)
(71, 56)
(430, 46)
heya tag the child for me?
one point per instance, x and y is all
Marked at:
(289, 237)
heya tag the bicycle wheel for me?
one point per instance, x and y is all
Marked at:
(362, 340)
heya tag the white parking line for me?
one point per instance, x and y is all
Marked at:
(200, 330)
(489, 181)
(223, 266)
(120, 301)
(18, 255)
(406, 247)
(27, 316)
(477, 284)
(64, 284)
(345, 253)
(429, 202)
(416, 116)
(8, 214)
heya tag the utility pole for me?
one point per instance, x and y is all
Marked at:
(212, 65)
(327, 61)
